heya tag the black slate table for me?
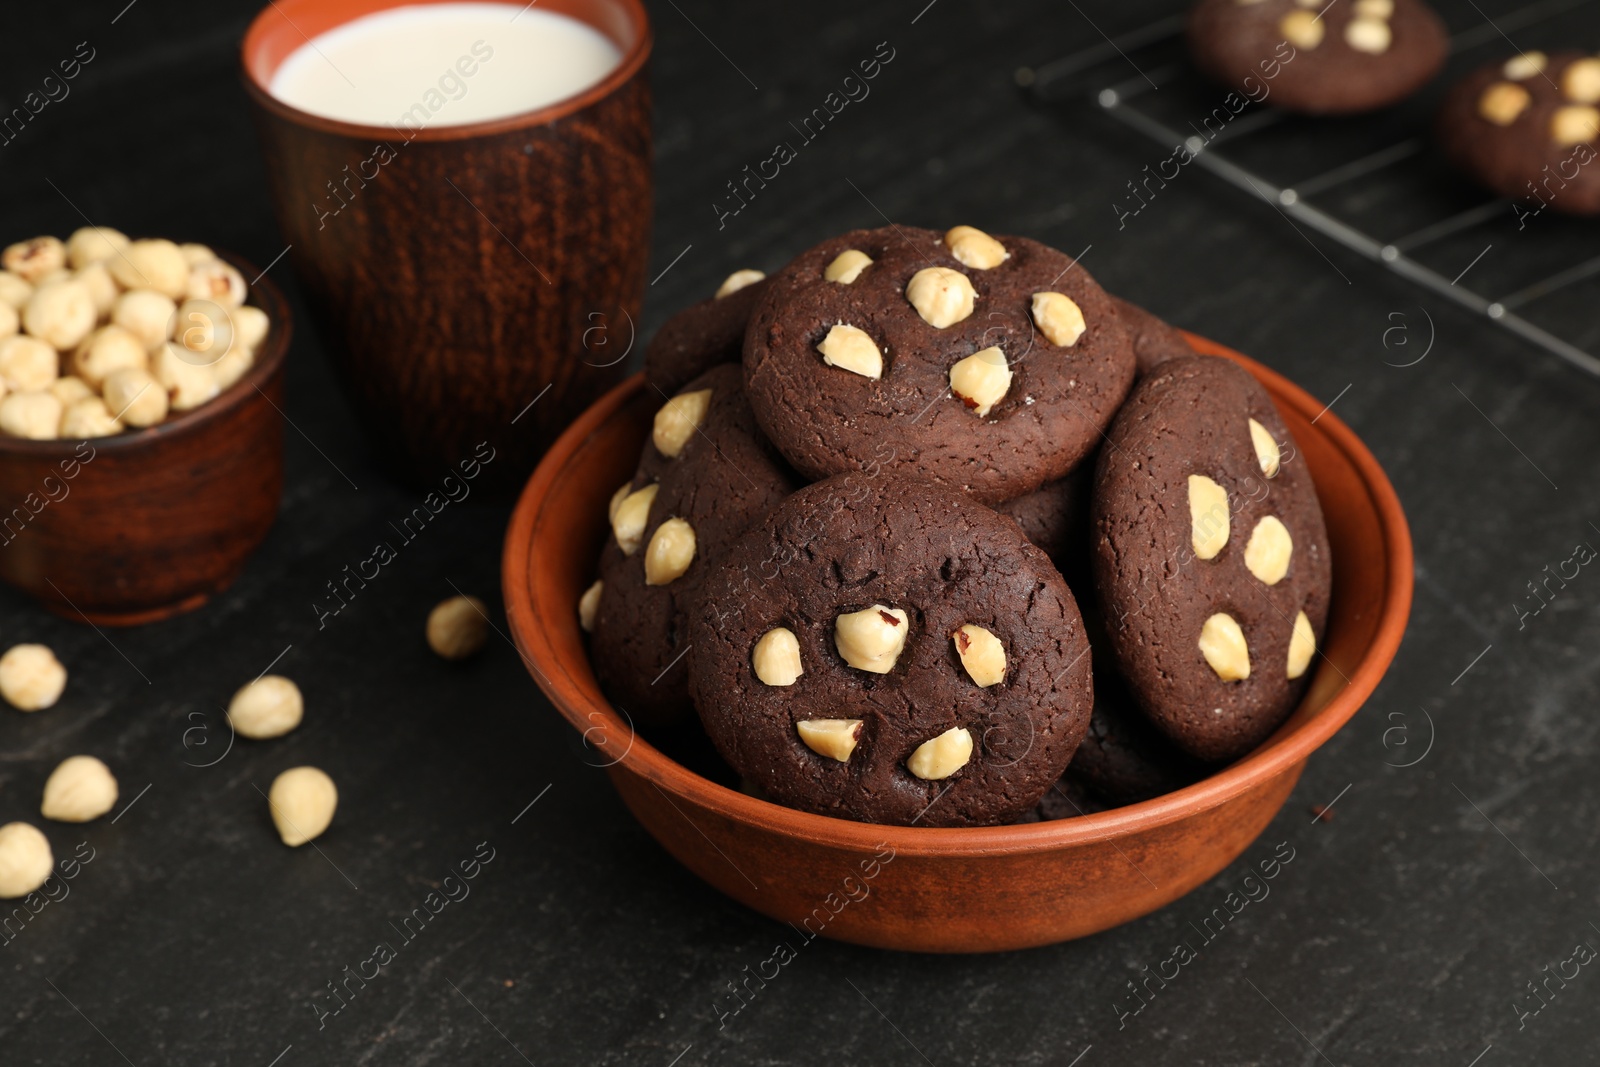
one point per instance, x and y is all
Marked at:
(1407, 929)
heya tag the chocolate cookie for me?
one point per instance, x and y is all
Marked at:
(1123, 759)
(1067, 799)
(1154, 339)
(1055, 517)
(704, 476)
(1527, 129)
(888, 650)
(704, 334)
(987, 365)
(1317, 57)
(1210, 556)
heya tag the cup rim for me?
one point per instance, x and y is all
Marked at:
(1280, 754)
(627, 67)
(268, 359)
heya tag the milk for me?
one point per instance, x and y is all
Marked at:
(427, 65)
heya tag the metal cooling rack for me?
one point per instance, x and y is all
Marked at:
(1373, 183)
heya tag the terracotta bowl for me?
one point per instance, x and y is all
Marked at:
(148, 523)
(952, 890)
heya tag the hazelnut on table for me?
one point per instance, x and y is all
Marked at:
(458, 628)
(81, 789)
(25, 859)
(31, 678)
(270, 706)
(302, 801)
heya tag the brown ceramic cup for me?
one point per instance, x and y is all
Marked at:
(463, 273)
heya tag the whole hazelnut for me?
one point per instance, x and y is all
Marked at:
(151, 264)
(458, 628)
(79, 790)
(31, 678)
(204, 329)
(60, 313)
(739, 279)
(232, 366)
(195, 254)
(589, 606)
(217, 281)
(89, 417)
(270, 706)
(36, 416)
(10, 321)
(135, 397)
(25, 860)
(14, 290)
(91, 244)
(27, 364)
(33, 259)
(871, 639)
(103, 288)
(302, 800)
(630, 515)
(146, 314)
(943, 297)
(109, 349)
(69, 389)
(250, 325)
(188, 385)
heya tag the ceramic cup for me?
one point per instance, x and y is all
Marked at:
(474, 283)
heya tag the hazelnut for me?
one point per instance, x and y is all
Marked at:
(943, 297)
(1570, 125)
(194, 254)
(91, 244)
(617, 498)
(59, 275)
(1368, 35)
(204, 329)
(940, 757)
(27, 364)
(69, 389)
(847, 266)
(1222, 644)
(630, 515)
(188, 385)
(739, 279)
(974, 248)
(1302, 643)
(1302, 29)
(10, 321)
(1524, 66)
(32, 415)
(234, 364)
(151, 264)
(670, 552)
(1374, 9)
(777, 662)
(1208, 516)
(250, 325)
(270, 706)
(103, 288)
(1267, 553)
(31, 678)
(871, 639)
(1581, 81)
(589, 606)
(458, 628)
(146, 314)
(1267, 453)
(982, 654)
(80, 789)
(677, 421)
(218, 282)
(1059, 318)
(303, 800)
(980, 381)
(833, 738)
(14, 290)
(849, 348)
(60, 313)
(32, 260)
(89, 417)
(107, 350)
(25, 859)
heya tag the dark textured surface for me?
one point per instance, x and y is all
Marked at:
(1404, 931)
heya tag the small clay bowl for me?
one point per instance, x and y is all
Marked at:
(145, 524)
(952, 890)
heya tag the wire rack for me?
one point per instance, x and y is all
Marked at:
(1373, 183)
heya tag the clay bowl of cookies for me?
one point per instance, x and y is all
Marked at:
(141, 446)
(953, 604)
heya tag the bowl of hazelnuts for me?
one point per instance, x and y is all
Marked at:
(141, 445)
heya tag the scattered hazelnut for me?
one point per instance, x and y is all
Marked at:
(146, 314)
(234, 364)
(1581, 81)
(1267, 553)
(188, 385)
(777, 662)
(1368, 35)
(1524, 66)
(833, 738)
(629, 517)
(302, 800)
(871, 639)
(849, 348)
(32, 260)
(154, 263)
(27, 364)
(670, 552)
(69, 389)
(14, 290)
(80, 789)
(980, 381)
(739, 279)
(1208, 516)
(91, 244)
(1570, 125)
(589, 606)
(1059, 318)
(458, 627)
(847, 266)
(982, 654)
(107, 350)
(943, 297)
(250, 325)
(270, 706)
(194, 254)
(1267, 453)
(940, 757)
(31, 678)
(60, 313)
(974, 248)
(1374, 9)
(1222, 644)
(25, 860)
(1302, 29)
(103, 288)
(1302, 643)
(86, 418)
(215, 280)
(677, 421)
(36, 416)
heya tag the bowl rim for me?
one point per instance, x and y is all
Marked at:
(268, 359)
(1279, 755)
